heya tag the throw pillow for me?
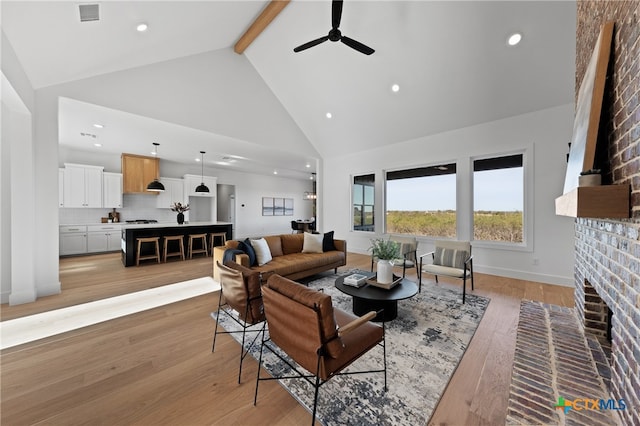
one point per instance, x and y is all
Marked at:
(312, 243)
(450, 257)
(327, 242)
(246, 247)
(263, 254)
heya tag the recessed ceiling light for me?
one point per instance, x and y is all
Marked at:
(142, 27)
(197, 159)
(514, 39)
(98, 145)
(308, 165)
(329, 115)
(98, 126)
(395, 88)
(275, 172)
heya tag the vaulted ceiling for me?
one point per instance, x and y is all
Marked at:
(449, 59)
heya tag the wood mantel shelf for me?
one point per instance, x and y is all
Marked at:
(606, 201)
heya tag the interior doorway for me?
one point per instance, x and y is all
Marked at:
(226, 205)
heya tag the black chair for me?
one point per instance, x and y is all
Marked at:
(295, 227)
(241, 300)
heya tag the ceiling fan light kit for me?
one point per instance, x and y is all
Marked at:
(335, 34)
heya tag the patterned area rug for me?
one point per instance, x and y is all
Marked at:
(424, 346)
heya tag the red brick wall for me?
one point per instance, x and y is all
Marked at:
(608, 251)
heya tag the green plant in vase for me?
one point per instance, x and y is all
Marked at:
(385, 251)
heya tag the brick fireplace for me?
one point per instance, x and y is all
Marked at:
(607, 252)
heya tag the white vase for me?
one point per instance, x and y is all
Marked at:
(384, 272)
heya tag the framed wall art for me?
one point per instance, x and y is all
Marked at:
(274, 206)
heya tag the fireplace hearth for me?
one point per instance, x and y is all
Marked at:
(607, 302)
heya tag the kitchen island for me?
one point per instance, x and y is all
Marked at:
(132, 231)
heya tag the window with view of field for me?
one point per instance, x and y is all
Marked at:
(422, 201)
(498, 199)
(363, 196)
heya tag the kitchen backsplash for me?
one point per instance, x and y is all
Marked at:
(137, 206)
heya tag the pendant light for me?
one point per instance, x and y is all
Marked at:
(202, 187)
(156, 185)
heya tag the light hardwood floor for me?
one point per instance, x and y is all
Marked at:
(156, 367)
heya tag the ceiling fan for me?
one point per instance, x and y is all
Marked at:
(335, 34)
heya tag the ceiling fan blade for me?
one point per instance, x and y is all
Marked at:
(311, 44)
(357, 45)
(336, 13)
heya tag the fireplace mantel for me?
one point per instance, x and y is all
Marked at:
(605, 201)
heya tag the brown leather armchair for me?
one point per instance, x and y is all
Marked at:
(240, 292)
(324, 340)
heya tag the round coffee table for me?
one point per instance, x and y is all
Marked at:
(370, 298)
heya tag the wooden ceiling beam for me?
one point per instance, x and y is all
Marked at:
(268, 14)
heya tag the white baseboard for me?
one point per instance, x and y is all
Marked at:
(525, 275)
(510, 273)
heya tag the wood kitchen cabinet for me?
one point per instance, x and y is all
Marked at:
(137, 172)
(82, 186)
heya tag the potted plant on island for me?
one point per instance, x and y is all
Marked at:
(180, 208)
(385, 251)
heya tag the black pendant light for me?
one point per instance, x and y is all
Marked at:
(202, 187)
(156, 185)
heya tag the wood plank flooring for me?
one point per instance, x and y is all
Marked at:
(156, 367)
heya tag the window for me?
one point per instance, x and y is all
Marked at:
(498, 199)
(363, 203)
(422, 201)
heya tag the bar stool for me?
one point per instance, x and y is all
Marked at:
(179, 252)
(212, 240)
(203, 245)
(154, 240)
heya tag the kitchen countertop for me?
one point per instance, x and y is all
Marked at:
(168, 224)
(146, 225)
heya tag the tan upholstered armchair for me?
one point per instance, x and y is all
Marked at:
(240, 292)
(408, 250)
(323, 340)
(451, 259)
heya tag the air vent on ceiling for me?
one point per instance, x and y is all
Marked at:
(89, 12)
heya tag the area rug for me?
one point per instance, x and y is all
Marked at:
(424, 346)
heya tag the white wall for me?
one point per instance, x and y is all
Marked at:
(20, 215)
(544, 133)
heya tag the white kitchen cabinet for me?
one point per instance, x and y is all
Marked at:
(111, 190)
(82, 186)
(60, 187)
(173, 192)
(102, 238)
(73, 239)
(192, 181)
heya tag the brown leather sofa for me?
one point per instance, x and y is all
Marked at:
(288, 259)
